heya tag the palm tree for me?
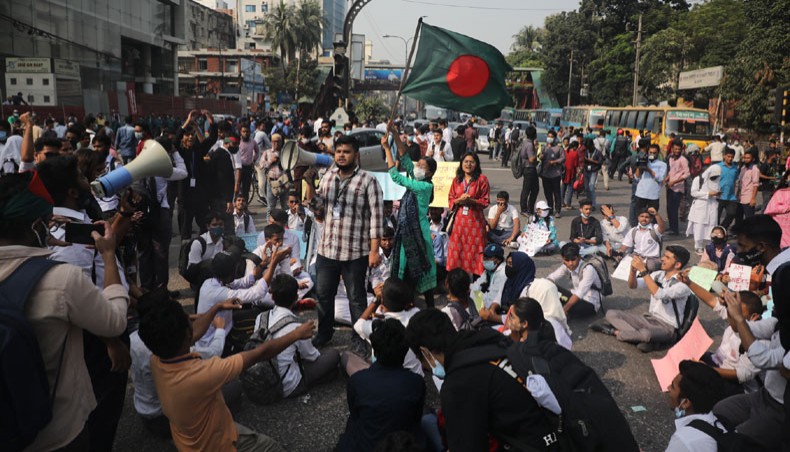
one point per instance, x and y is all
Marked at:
(281, 30)
(310, 22)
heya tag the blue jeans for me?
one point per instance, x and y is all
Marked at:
(590, 178)
(328, 273)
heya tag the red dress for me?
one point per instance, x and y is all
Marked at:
(468, 239)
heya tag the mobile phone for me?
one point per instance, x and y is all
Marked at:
(81, 233)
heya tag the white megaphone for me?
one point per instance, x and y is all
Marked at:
(292, 156)
(152, 161)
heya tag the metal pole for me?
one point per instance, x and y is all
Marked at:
(570, 75)
(406, 70)
(635, 101)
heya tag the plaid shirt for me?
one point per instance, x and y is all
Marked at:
(273, 170)
(358, 200)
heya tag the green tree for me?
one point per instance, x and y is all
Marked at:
(282, 31)
(663, 58)
(305, 83)
(611, 75)
(566, 32)
(761, 62)
(525, 50)
(310, 23)
(368, 106)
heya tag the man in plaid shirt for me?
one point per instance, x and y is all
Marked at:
(349, 243)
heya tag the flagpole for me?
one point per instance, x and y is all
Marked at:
(406, 70)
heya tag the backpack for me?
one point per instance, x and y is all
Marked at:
(590, 418)
(262, 382)
(516, 163)
(599, 265)
(26, 397)
(653, 235)
(183, 258)
(689, 314)
(695, 164)
(467, 322)
(726, 441)
(514, 135)
(9, 166)
(621, 146)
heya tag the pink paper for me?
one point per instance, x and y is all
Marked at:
(692, 346)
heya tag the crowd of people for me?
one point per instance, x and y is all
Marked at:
(87, 279)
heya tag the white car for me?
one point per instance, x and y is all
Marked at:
(482, 142)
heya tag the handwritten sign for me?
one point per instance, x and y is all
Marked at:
(532, 240)
(623, 269)
(739, 277)
(702, 276)
(692, 346)
(442, 181)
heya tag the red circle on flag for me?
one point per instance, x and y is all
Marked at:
(468, 76)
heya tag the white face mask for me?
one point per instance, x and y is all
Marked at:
(544, 213)
(419, 173)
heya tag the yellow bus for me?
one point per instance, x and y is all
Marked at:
(692, 125)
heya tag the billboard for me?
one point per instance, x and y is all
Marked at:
(28, 65)
(384, 74)
(701, 78)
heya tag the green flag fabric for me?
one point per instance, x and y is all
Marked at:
(458, 72)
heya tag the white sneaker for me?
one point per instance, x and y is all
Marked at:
(699, 251)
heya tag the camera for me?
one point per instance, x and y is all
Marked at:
(641, 161)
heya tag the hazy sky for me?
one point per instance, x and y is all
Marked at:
(492, 21)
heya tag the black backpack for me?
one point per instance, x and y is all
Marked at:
(183, 259)
(26, 397)
(262, 381)
(590, 418)
(599, 265)
(468, 323)
(689, 314)
(516, 163)
(726, 441)
(621, 146)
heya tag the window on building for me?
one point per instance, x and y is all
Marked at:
(264, 7)
(249, 8)
(12, 81)
(45, 82)
(202, 64)
(46, 99)
(250, 24)
(232, 66)
(31, 99)
(29, 81)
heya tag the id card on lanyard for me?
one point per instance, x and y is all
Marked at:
(467, 185)
(337, 207)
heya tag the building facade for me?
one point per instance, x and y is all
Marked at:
(206, 27)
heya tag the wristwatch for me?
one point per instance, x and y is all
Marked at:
(642, 274)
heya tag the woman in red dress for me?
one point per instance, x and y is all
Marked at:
(468, 197)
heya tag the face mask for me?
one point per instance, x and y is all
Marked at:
(550, 140)
(586, 217)
(749, 258)
(438, 368)
(510, 271)
(217, 232)
(644, 226)
(138, 135)
(651, 157)
(679, 412)
(348, 132)
(489, 265)
(718, 240)
(419, 173)
(544, 213)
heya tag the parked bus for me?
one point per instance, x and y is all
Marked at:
(690, 124)
(543, 118)
(584, 116)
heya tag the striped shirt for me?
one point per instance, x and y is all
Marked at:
(354, 214)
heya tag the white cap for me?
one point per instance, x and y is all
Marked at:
(542, 205)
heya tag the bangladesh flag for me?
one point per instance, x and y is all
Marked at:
(457, 72)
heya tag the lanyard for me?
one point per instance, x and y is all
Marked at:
(344, 185)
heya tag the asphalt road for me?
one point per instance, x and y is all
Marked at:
(314, 423)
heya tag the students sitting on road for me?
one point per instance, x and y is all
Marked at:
(384, 398)
(492, 281)
(544, 221)
(189, 387)
(644, 239)
(202, 251)
(146, 400)
(275, 237)
(520, 272)
(728, 360)
(503, 221)
(301, 366)
(396, 302)
(718, 252)
(586, 230)
(668, 298)
(242, 220)
(692, 395)
(460, 308)
(526, 316)
(584, 299)
(614, 228)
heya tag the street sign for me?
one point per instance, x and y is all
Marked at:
(701, 78)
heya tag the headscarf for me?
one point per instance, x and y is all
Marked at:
(30, 204)
(708, 184)
(525, 274)
(546, 294)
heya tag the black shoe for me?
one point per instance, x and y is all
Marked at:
(645, 347)
(604, 328)
(319, 342)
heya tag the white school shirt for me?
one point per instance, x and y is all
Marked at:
(365, 328)
(690, 439)
(246, 289)
(506, 220)
(729, 356)
(287, 365)
(661, 301)
(612, 234)
(440, 153)
(584, 283)
(643, 243)
(196, 255)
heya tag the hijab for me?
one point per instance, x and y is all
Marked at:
(525, 274)
(709, 184)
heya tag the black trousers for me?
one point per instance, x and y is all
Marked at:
(529, 189)
(730, 210)
(552, 191)
(246, 177)
(195, 208)
(109, 388)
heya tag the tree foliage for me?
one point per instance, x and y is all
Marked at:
(282, 80)
(371, 106)
(293, 29)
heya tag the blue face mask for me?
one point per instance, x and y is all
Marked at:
(217, 232)
(437, 369)
(679, 412)
(489, 265)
